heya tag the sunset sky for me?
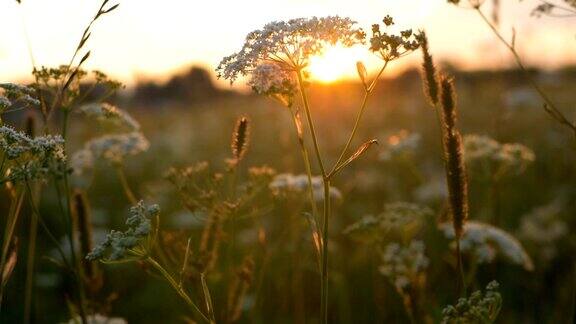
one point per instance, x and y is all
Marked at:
(150, 39)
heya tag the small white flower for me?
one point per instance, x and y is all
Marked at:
(104, 112)
(485, 242)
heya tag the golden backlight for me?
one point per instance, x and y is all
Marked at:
(335, 64)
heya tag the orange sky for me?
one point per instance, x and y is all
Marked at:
(152, 38)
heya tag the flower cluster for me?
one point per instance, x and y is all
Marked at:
(405, 267)
(478, 308)
(117, 244)
(290, 43)
(390, 46)
(398, 216)
(484, 242)
(97, 319)
(106, 113)
(543, 228)
(286, 183)
(271, 79)
(113, 148)
(400, 144)
(15, 93)
(487, 155)
(32, 158)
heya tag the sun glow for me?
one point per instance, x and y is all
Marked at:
(335, 64)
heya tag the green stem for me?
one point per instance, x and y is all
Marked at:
(310, 122)
(549, 106)
(29, 286)
(11, 221)
(177, 287)
(459, 265)
(326, 183)
(367, 93)
(324, 285)
(308, 167)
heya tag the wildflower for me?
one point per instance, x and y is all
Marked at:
(18, 93)
(405, 267)
(32, 158)
(478, 308)
(484, 242)
(543, 228)
(290, 43)
(97, 319)
(286, 183)
(390, 46)
(4, 103)
(113, 148)
(117, 244)
(106, 113)
(398, 216)
(484, 153)
(271, 79)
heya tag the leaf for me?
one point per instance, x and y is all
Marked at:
(354, 156)
(299, 128)
(84, 39)
(207, 297)
(110, 9)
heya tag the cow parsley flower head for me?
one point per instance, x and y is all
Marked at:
(483, 153)
(405, 267)
(287, 183)
(478, 308)
(402, 217)
(117, 245)
(390, 46)
(290, 43)
(271, 79)
(16, 93)
(543, 228)
(106, 113)
(113, 148)
(32, 158)
(4, 103)
(485, 242)
(97, 319)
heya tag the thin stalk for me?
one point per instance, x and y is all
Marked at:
(326, 183)
(125, 186)
(459, 265)
(308, 167)
(207, 298)
(11, 221)
(310, 122)
(178, 288)
(367, 93)
(29, 286)
(549, 106)
(324, 285)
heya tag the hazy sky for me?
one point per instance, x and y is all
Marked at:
(148, 39)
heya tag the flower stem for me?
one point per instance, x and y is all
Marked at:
(367, 93)
(549, 106)
(308, 167)
(460, 268)
(324, 286)
(326, 183)
(178, 288)
(30, 264)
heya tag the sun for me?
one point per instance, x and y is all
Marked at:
(334, 64)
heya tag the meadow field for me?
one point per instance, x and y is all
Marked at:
(435, 195)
